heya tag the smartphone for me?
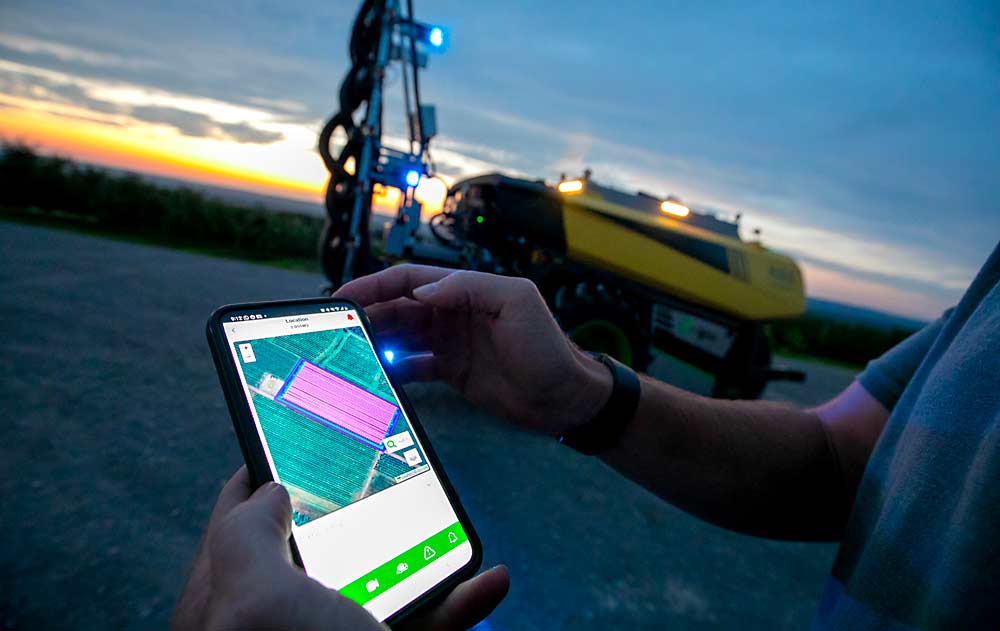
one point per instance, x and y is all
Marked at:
(316, 410)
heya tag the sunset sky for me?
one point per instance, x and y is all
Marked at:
(864, 140)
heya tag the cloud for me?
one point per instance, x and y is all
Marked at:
(57, 51)
(490, 156)
(247, 133)
(50, 87)
(158, 46)
(41, 87)
(198, 125)
(187, 123)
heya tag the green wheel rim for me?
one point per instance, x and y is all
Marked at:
(603, 336)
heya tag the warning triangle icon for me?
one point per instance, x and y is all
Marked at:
(428, 553)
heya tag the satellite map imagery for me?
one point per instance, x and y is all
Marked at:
(332, 424)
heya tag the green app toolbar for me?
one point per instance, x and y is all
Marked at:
(399, 568)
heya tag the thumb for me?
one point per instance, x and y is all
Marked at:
(255, 534)
(473, 291)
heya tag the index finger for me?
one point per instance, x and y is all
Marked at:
(236, 490)
(392, 283)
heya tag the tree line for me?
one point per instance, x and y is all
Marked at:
(842, 341)
(57, 190)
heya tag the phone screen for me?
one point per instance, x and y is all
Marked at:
(370, 515)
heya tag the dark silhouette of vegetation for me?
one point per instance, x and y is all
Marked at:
(55, 190)
(842, 341)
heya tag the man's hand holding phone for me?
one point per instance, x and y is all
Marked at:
(492, 337)
(243, 576)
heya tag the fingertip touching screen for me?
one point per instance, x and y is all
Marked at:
(370, 515)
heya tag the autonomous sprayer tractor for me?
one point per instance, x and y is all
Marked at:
(643, 278)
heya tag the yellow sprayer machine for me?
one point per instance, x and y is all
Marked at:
(647, 280)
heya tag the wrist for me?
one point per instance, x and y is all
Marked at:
(591, 385)
(606, 428)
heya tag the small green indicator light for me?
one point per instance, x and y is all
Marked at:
(480, 219)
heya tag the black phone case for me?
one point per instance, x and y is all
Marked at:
(256, 461)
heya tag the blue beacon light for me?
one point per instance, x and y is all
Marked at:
(412, 177)
(436, 37)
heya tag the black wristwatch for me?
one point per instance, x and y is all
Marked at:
(605, 430)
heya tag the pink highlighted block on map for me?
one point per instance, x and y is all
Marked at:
(328, 399)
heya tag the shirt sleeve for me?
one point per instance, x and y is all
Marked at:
(885, 378)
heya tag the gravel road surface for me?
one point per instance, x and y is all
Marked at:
(115, 440)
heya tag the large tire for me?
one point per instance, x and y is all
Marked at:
(605, 328)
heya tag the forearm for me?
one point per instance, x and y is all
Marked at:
(758, 467)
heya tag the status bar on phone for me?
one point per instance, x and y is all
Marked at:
(276, 326)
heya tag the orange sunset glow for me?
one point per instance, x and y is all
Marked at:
(297, 173)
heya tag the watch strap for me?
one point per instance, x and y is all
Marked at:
(605, 430)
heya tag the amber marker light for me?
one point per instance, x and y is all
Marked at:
(570, 186)
(676, 209)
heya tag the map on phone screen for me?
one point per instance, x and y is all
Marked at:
(331, 422)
